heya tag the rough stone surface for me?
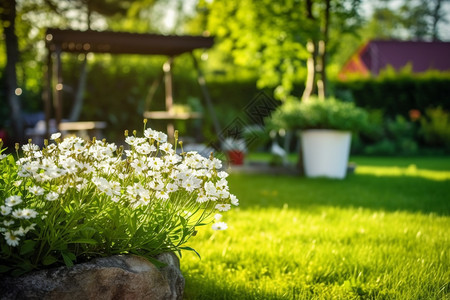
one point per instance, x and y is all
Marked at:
(117, 277)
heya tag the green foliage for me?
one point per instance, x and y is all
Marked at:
(398, 93)
(435, 127)
(319, 114)
(368, 237)
(75, 200)
(265, 36)
(387, 136)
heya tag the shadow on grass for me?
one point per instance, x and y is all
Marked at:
(389, 193)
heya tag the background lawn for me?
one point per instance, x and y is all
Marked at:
(382, 233)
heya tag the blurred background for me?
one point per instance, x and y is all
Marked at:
(391, 57)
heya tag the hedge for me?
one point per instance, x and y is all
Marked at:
(397, 95)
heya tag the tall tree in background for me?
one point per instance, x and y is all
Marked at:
(284, 41)
(8, 18)
(412, 19)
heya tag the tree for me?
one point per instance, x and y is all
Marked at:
(278, 39)
(412, 19)
(8, 17)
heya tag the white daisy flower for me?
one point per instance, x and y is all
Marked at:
(172, 187)
(52, 196)
(55, 136)
(28, 213)
(219, 226)
(13, 200)
(5, 210)
(234, 200)
(11, 239)
(223, 207)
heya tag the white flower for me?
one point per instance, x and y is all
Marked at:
(18, 214)
(223, 194)
(156, 185)
(155, 163)
(210, 189)
(31, 227)
(219, 226)
(55, 136)
(150, 133)
(138, 165)
(5, 210)
(223, 207)
(8, 223)
(217, 217)
(19, 232)
(234, 200)
(166, 147)
(144, 148)
(13, 200)
(115, 199)
(202, 198)
(172, 187)
(30, 147)
(17, 183)
(11, 239)
(2, 156)
(131, 140)
(222, 174)
(28, 213)
(36, 190)
(162, 195)
(191, 183)
(52, 196)
(161, 137)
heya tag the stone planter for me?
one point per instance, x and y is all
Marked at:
(325, 152)
(117, 277)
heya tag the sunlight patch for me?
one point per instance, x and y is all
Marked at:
(411, 171)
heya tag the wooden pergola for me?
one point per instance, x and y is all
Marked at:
(72, 41)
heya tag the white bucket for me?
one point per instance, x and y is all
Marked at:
(325, 152)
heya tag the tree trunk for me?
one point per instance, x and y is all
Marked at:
(436, 17)
(8, 17)
(322, 63)
(311, 70)
(311, 47)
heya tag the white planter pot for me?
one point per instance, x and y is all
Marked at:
(325, 152)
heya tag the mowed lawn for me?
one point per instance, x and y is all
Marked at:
(382, 233)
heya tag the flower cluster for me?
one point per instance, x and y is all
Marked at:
(151, 185)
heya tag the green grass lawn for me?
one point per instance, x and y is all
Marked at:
(382, 233)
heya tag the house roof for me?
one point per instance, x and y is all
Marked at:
(123, 42)
(376, 55)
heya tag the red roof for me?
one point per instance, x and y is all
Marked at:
(377, 55)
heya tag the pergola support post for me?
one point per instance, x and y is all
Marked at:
(202, 82)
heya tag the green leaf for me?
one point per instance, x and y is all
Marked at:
(48, 260)
(88, 232)
(191, 249)
(4, 269)
(85, 241)
(68, 258)
(6, 249)
(27, 247)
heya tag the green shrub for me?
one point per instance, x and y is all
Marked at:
(397, 95)
(435, 127)
(386, 136)
(75, 200)
(319, 114)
